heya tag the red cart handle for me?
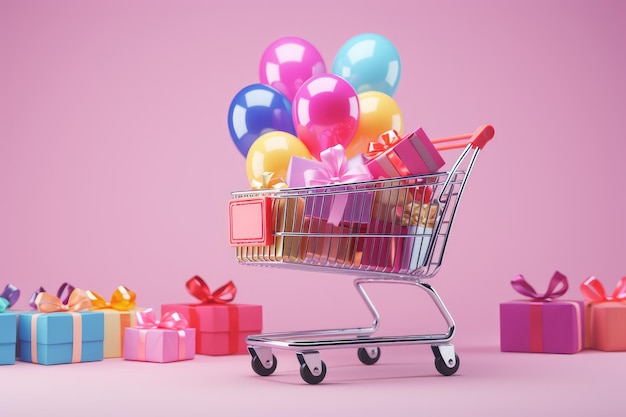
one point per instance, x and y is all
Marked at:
(479, 139)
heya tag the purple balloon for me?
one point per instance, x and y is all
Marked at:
(288, 62)
(325, 113)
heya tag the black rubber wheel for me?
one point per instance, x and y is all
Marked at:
(308, 377)
(443, 368)
(258, 367)
(367, 359)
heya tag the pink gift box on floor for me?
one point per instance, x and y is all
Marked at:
(166, 340)
(542, 324)
(222, 327)
(413, 154)
(605, 316)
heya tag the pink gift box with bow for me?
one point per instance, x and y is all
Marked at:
(165, 340)
(542, 324)
(222, 326)
(333, 169)
(392, 156)
(605, 315)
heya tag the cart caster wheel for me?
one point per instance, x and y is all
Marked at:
(369, 356)
(260, 368)
(443, 367)
(308, 376)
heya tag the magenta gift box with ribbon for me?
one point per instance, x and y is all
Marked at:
(542, 323)
(392, 156)
(333, 169)
(221, 326)
(165, 340)
(8, 325)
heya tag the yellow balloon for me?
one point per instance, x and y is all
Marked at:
(272, 152)
(379, 113)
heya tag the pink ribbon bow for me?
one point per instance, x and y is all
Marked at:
(337, 169)
(593, 290)
(520, 285)
(146, 319)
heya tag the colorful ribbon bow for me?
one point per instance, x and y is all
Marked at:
(268, 181)
(416, 214)
(122, 299)
(49, 303)
(336, 169)
(384, 142)
(63, 293)
(199, 289)
(146, 319)
(558, 279)
(593, 290)
(8, 297)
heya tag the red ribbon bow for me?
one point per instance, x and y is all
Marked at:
(593, 290)
(146, 319)
(558, 279)
(384, 142)
(199, 289)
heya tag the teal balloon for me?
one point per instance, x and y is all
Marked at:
(369, 62)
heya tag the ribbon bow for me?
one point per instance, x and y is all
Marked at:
(268, 181)
(593, 290)
(558, 279)
(146, 319)
(8, 297)
(199, 289)
(384, 142)
(414, 214)
(336, 169)
(63, 293)
(122, 299)
(49, 303)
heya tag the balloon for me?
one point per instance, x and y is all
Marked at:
(379, 113)
(325, 113)
(272, 152)
(369, 62)
(255, 110)
(288, 62)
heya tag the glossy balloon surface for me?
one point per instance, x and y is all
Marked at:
(257, 109)
(325, 113)
(369, 62)
(288, 62)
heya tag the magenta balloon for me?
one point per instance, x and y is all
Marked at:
(325, 113)
(288, 62)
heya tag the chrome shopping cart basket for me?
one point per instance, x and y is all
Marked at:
(393, 230)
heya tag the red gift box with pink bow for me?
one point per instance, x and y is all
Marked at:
(221, 326)
(605, 315)
(542, 323)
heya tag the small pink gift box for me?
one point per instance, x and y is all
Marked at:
(334, 168)
(392, 156)
(542, 324)
(222, 326)
(605, 315)
(166, 340)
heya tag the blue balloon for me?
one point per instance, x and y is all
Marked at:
(255, 110)
(369, 62)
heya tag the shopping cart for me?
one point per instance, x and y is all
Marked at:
(393, 231)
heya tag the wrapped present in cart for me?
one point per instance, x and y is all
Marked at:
(387, 227)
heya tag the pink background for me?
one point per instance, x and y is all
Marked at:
(116, 163)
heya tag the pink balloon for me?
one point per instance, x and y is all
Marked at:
(325, 113)
(288, 62)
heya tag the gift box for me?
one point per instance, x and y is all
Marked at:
(221, 326)
(542, 324)
(335, 205)
(8, 325)
(392, 156)
(328, 244)
(165, 340)
(400, 242)
(287, 216)
(119, 313)
(605, 315)
(58, 333)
